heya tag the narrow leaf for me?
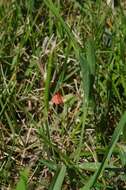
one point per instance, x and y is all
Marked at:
(85, 72)
(58, 178)
(22, 184)
(108, 154)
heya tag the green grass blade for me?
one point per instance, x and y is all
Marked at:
(85, 72)
(93, 166)
(87, 66)
(89, 166)
(91, 56)
(22, 184)
(55, 12)
(58, 178)
(89, 183)
(47, 83)
(108, 154)
(50, 164)
(10, 123)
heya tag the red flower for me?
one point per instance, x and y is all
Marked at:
(57, 99)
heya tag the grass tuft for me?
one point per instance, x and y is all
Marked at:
(75, 49)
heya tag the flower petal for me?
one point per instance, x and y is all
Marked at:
(57, 99)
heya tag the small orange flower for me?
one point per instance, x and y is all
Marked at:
(57, 99)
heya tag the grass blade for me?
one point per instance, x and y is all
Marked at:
(58, 178)
(91, 56)
(47, 84)
(22, 184)
(87, 66)
(108, 154)
(55, 12)
(91, 60)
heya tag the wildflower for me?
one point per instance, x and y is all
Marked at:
(57, 99)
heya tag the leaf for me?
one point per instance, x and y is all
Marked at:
(89, 166)
(58, 178)
(47, 83)
(89, 183)
(91, 60)
(55, 11)
(85, 72)
(93, 166)
(87, 64)
(50, 164)
(91, 56)
(108, 154)
(22, 184)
